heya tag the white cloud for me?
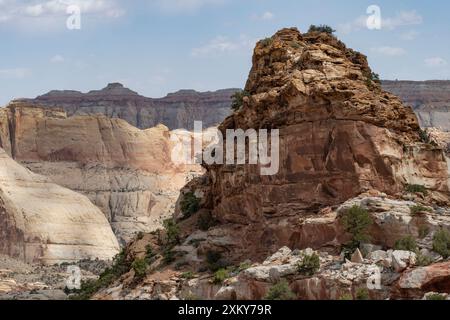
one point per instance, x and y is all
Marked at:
(181, 6)
(435, 62)
(223, 45)
(389, 51)
(17, 11)
(409, 36)
(16, 73)
(266, 16)
(402, 19)
(57, 59)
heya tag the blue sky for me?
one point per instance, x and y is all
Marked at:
(160, 46)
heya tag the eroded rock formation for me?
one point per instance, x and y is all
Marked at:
(41, 222)
(340, 135)
(176, 110)
(429, 99)
(125, 171)
(345, 143)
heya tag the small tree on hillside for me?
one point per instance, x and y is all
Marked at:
(323, 28)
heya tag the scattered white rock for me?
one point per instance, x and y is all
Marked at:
(401, 260)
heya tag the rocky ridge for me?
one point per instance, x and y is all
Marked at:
(345, 143)
(177, 110)
(429, 99)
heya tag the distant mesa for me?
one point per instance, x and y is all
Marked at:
(177, 110)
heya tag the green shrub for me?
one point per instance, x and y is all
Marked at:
(423, 260)
(140, 235)
(423, 231)
(280, 291)
(362, 294)
(424, 136)
(441, 243)
(243, 266)
(267, 42)
(149, 254)
(416, 188)
(206, 221)
(189, 205)
(346, 297)
(323, 28)
(407, 244)
(172, 232)
(140, 267)
(220, 276)
(419, 209)
(168, 256)
(356, 222)
(188, 275)
(436, 297)
(238, 99)
(295, 45)
(214, 261)
(119, 267)
(309, 265)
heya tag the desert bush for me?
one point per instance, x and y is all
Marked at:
(407, 244)
(189, 205)
(323, 28)
(309, 265)
(423, 260)
(267, 42)
(362, 294)
(119, 267)
(346, 297)
(436, 297)
(140, 267)
(168, 256)
(172, 232)
(238, 99)
(215, 261)
(356, 222)
(423, 231)
(424, 136)
(149, 254)
(416, 188)
(243, 266)
(419, 209)
(280, 291)
(441, 243)
(188, 275)
(220, 276)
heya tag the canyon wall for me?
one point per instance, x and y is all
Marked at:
(125, 171)
(177, 110)
(41, 222)
(429, 99)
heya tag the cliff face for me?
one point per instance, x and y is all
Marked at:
(340, 135)
(176, 110)
(346, 146)
(41, 222)
(430, 100)
(125, 171)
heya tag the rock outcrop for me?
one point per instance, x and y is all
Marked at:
(177, 110)
(340, 135)
(125, 171)
(346, 145)
(429, 99)
(41, 222)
